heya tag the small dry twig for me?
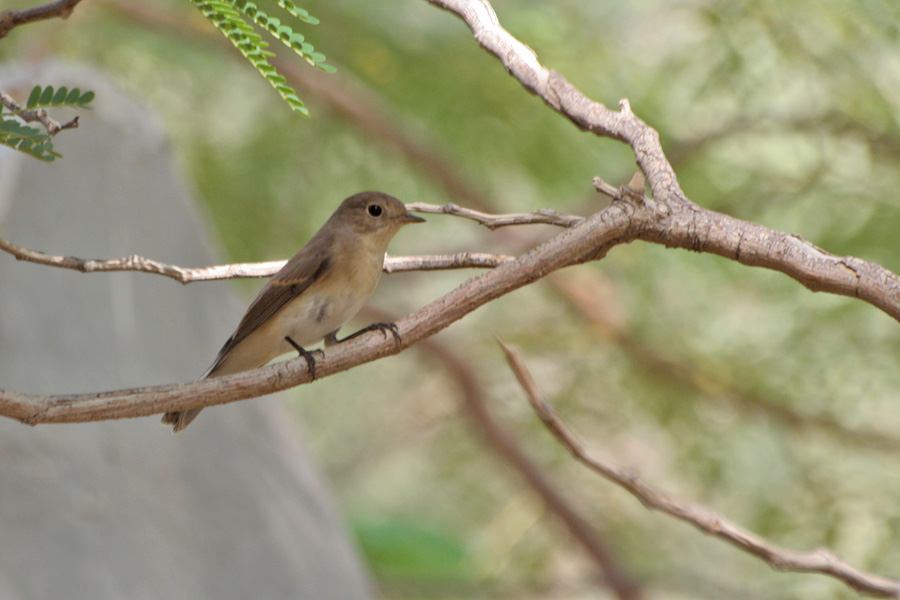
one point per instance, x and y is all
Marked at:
(706, 520)
(10, 19)
(40, 115)
(475, 406)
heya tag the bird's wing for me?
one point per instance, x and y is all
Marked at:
(308, 266)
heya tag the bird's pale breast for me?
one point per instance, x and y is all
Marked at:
(322, 308)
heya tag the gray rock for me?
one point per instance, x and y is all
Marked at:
(231, 508)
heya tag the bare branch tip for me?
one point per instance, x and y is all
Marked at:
(605, 188)
(637, 183)
(507, 349)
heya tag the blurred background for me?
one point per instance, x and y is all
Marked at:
(728, 386)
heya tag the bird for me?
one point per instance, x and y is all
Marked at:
(315, 293)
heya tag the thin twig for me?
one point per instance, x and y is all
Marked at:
(438, 262)
(706, 520)
(10, 19)
(505, 445)
(392, 264)
(540, 217)
(29, 116)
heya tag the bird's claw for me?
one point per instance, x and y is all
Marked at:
(384, 328)
(306, 354)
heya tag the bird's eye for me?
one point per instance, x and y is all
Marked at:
(375, 210)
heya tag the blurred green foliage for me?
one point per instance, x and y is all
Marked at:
(729, 386)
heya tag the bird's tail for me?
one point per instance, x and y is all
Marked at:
(180, 419)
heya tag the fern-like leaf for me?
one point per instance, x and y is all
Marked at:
(26, 139)
(293, 40)
(228, 16)
(47, 98)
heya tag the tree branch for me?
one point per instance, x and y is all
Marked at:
(706, 520)
(678, 222)
(540, 217)
(10, 19)
(392, 264)
(624, 220)
(522, 63)
(29, 116)
(563, 249)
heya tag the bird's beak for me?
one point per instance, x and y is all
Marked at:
(408, 218)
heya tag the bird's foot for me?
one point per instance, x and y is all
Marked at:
(382, 327)
(306, 354)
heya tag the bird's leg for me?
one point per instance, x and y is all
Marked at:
(382, 327)
(306, 354)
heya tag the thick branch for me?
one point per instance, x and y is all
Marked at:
(523, 64)
(10, 19)
(557, 252)
(706, 520)
(621, 222)
(679, 222)
(758, 246)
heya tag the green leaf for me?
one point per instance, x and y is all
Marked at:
(73, 96)
(60, 95)
(47, 95)
(86, 98)
(15, 129)
(34, 97)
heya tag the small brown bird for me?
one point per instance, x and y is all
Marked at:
(322, 287)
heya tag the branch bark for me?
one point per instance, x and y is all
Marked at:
(706, 520)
